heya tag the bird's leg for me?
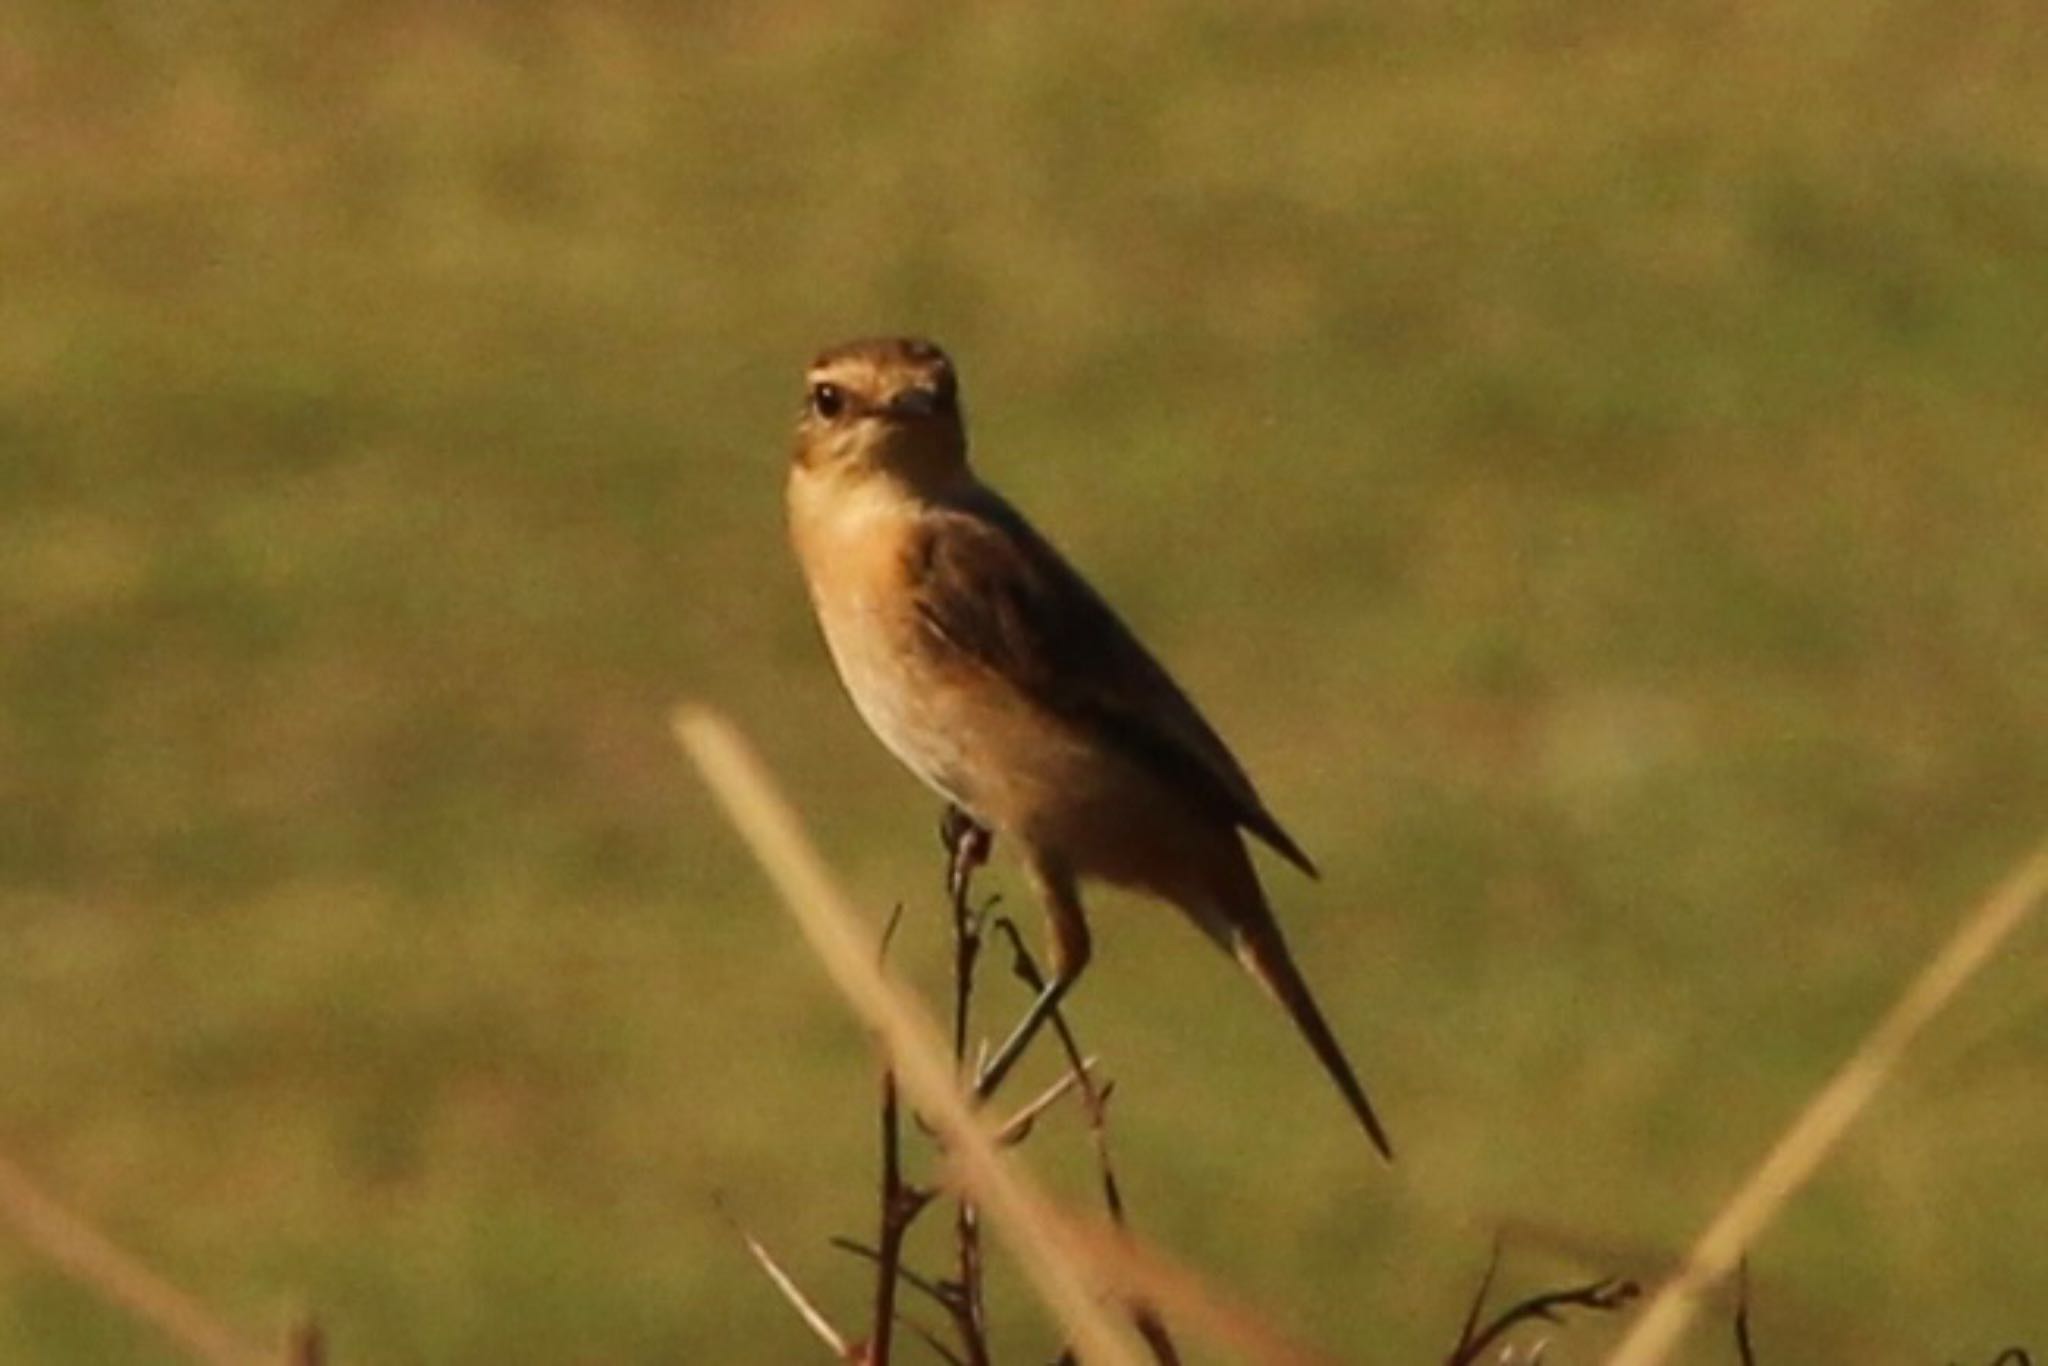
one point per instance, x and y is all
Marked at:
(967, 847)
(1070, 951)
(967, 844)
(1020, 1038)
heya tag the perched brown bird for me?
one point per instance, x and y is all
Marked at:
(998, 676)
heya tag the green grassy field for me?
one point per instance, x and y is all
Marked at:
(1592, 460)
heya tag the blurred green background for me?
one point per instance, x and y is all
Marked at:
(1588, 457)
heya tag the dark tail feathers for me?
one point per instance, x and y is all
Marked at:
(1264, 954)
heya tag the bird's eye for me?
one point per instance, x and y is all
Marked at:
(828, 400)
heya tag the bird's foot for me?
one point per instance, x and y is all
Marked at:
(967, 844)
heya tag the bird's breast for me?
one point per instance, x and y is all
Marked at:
(970, 733)
(854, 553)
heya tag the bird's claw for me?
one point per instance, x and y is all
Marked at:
(967, 842)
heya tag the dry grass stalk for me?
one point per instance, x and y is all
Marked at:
(1829, 1114)
(1048, 1256)
(92, 1259)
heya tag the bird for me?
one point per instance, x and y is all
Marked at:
(986, 664)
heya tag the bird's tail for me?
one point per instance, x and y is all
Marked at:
(1263, 952)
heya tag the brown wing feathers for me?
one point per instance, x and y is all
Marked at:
(991, 588)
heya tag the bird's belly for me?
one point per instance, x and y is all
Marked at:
(905, 701)
(966, 733)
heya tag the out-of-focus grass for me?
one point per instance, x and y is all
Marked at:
(1589, 458)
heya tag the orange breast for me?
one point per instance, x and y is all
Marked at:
(965, 731)
(851, 543)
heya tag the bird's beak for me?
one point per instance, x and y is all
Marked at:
(916, 402)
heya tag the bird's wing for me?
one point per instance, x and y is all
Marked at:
(991, 588)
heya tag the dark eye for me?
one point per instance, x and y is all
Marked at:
(828, 400)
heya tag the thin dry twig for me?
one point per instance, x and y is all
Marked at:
(1469, 1329)
(1095, 1101)
(967, 847)
(899, 1202)
(931, 1340)
(963, 1298)
(945, 1295)
(930, 1289)
(899, 1207)
(1018, 1127)
(1093, 1098)
(806, 1308)
(1602, 1296)
(889, 928)
(95, 1261)
(1745, 1349)
(1051, 1258)
(1829, 1114)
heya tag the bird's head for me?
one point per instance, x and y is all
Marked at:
(889, 406)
